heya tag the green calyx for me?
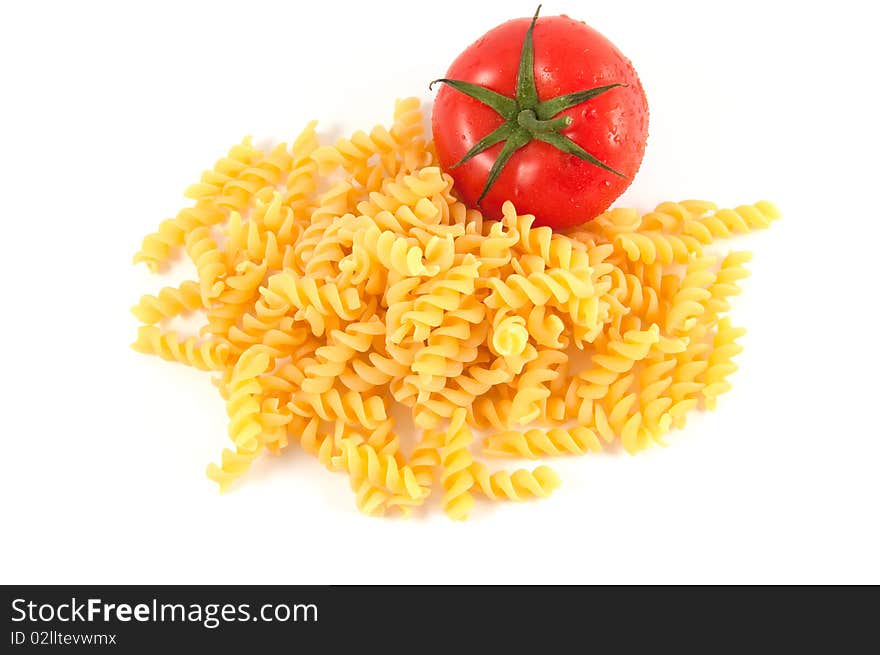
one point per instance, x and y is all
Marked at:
(526, 117)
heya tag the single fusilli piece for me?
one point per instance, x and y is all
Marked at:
(534, 444)
(457, 463)
(206, 354)
(519, 485)
(243, 404)
(168, 303)
(724, 349)
(159, 247)
(210, 265)
(725, 223)
(382, 472)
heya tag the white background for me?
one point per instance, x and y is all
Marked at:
(110, 110)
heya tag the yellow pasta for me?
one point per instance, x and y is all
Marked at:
(535, 443)
(208, 355)
(338, 281)
(457, 463)
(519, 485)
(168, 303)
(243, 404)
(208, 259)
(383, 473)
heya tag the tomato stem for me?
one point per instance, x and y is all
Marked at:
(501, 133)
(549, 108)
(527, 120)
(526, 90)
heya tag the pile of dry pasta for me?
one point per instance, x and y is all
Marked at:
(338, 280)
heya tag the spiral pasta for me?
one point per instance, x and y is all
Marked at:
(535, 443)
(159, 247)
(168, 303)
(382, 473)
(519, 485)
(457, 462)
(339, 282)
(202, 249)
(243, 404)
(207, 355)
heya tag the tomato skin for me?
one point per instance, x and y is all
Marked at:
(561, 190)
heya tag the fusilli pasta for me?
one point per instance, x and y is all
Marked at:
(339, 280)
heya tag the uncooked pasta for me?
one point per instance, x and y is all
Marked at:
(339, 280)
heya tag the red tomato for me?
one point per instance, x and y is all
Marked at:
(560, 189)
